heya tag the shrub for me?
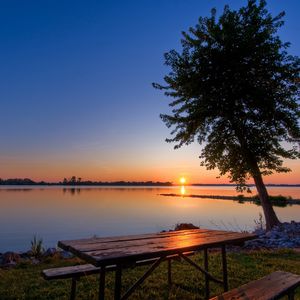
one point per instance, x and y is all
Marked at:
(37, 248)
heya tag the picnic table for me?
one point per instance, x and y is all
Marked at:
(124, 251)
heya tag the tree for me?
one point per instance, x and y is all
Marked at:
(235, 89)
(72, 180)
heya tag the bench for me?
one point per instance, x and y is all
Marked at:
(270, 287)
(75, 272)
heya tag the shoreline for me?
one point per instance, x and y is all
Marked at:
(232, 198)
(7, 183)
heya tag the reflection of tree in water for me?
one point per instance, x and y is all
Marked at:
(72, 191)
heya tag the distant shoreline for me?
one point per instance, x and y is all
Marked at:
(137, 184)
(250, 185)
(77, 182)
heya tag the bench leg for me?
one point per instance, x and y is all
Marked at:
(291, 295)
(102, 284)
(169, 273)
(73, 288)
(206, 277)
(118, 282)
(224, 263)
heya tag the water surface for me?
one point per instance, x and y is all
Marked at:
(56, 213)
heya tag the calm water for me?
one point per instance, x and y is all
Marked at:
(55, 213)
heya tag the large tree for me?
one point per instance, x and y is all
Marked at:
(235, 90)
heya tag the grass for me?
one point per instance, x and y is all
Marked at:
(25, 282)
(37, 248)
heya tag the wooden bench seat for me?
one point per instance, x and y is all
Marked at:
(75, 272)
(89, 269)
(270, 287)
(70, 272)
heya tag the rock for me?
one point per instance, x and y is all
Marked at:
(26, 254)
(185, 226)
(10, 257)
(35, 261)
(10, 265)
(66, 254)
(285, 235)
(50, 252)
(259, 231)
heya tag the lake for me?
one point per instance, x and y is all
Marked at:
(54, 213)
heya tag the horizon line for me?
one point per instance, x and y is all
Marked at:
(28, 181)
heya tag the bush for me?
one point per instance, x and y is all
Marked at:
(37, 248)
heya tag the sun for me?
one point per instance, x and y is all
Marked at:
(182, 180)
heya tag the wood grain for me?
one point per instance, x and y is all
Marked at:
(114, 250)
(272, 286)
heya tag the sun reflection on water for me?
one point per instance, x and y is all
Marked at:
(182, 190)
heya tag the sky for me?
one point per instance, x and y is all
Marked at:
(76, 95)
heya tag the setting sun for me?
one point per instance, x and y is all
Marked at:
(182, 180)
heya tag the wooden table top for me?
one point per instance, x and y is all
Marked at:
(132, 248)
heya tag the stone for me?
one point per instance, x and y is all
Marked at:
(10, 265)
(259, 231)
(26, 254)
(50, 252)
(285, 235)
(185, 226)
(66, 254)
(10, 257)
(35, 261)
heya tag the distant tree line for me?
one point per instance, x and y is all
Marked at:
(21, 181)
(78, 181)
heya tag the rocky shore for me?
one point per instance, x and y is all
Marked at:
(285, 235)
(10, 259)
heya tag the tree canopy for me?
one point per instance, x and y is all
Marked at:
(235, 90)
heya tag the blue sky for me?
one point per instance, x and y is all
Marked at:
(76, 95)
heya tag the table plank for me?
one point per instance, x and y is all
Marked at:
(104, 251)
(96, 240)
(103, 245)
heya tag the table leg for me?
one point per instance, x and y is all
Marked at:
(142, 279)
(102, 284)
(169, 273)
(73, 289)
(224, 263)
(206, 277)
(291, 295)
(118, 282)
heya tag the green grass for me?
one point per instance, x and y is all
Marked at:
(25, 282)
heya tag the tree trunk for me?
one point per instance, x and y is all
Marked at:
(270, 215)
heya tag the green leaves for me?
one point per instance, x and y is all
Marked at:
(235, 88)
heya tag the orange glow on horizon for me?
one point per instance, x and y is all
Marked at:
(49, 170)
